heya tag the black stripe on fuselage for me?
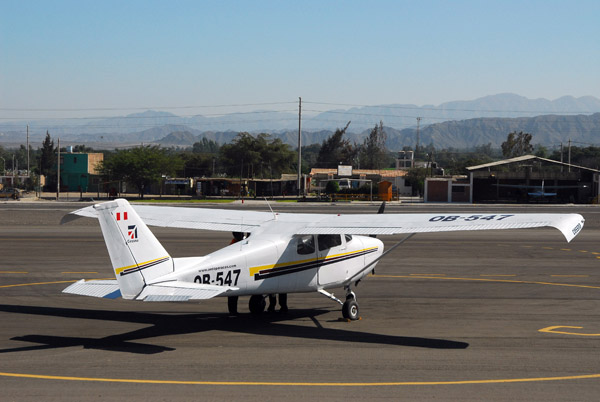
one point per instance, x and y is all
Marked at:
(290, 269)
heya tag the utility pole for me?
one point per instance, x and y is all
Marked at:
(417, 147)
(299, 145)
(28, 150)
(58, 172)
(569, 155)
(561, 157)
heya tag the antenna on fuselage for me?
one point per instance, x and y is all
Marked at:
(269, 205)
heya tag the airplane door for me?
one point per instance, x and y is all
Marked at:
(330, 248)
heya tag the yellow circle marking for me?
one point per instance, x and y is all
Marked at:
(300, 384)
(552, 330)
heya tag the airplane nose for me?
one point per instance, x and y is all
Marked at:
(371, 242)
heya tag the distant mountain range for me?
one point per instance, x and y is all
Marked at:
(459, 124)
(547, 130)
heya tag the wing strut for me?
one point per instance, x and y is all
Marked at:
(380, 257)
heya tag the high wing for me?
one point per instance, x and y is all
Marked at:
(568, 224)
(190, 218)
(359, 224)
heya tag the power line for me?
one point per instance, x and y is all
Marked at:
(151, 117)
(100, 109)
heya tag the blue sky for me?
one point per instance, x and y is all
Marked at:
(127, 55)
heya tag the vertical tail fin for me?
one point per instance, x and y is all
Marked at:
(136, 254)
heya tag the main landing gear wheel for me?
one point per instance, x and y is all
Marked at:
(350, 309)
(257, 304)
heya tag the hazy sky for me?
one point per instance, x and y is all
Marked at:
(127, 55)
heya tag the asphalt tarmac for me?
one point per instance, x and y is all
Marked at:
(495, 315)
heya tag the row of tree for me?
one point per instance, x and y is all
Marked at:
(262, 156)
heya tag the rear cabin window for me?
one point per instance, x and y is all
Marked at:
(329, 241)
(306, 245)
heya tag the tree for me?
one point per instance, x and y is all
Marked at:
(195, 164)
(205, 146)
(517, 145)
(415, 178)
(336, 150)
(48, 156)
(541, 151)
(140, 166)
(373, 153)
(310, 153)
(257, 156)
(332, 187)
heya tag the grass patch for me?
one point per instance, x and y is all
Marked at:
(286, 200)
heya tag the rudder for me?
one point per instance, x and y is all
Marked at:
(136, 254)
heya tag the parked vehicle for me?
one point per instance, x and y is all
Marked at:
(10, 192)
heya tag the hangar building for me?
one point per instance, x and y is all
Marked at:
(524, 179)
(530, 178)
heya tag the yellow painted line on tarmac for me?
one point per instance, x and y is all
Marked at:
(583, 251)
(565, 249)
(13, 272)
(552, 330)
(526, 246)
(428, 274)
(301, 384)
(548, 248)
(500, 275)
(34, 284)
(572, 276)
(75, 272)
(489, 280)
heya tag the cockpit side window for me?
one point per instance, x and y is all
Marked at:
(329, 241)
(306, 244)
(348, 238)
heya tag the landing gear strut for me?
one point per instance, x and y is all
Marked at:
(257, 304)
(232, 305)
(349, 307)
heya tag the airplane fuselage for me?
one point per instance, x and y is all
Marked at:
(277, 264)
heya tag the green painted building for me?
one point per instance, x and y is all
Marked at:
(78, 171)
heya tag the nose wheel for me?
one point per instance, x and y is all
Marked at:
(350, 309)
(350, 306)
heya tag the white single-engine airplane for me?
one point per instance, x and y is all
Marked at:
(282, 253)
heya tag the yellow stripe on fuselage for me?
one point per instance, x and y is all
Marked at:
(255, 270)
(119, 270)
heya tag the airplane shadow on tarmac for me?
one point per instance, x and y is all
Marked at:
(162, 324)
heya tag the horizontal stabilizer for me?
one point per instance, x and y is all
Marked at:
(181, 291)
(108, 289)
